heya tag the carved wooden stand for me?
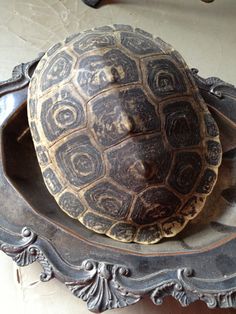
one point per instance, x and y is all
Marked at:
(104, 273)
(94, 3)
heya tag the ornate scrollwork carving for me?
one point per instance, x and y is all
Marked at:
(107, 286)
(27, 252)
(174, 288)
(212, 84)
(21, 75)
(98, 287)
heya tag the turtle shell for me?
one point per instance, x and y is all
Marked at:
(124, 140)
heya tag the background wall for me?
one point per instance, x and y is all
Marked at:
(205, 34)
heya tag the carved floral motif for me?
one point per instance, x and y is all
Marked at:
(106, 286)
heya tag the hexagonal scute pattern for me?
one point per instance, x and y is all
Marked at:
(79, 160)
(108, 199)
(139, 162)
(182, 125)
(154, 204)
(60, 113)
(93, 41)
(104, 69)
(57, 70)
(164, 77)
(139, 44)
(122, 113)
(125, 143)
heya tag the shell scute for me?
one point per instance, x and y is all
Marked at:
(57, 70)
(106, 198)
(138, 44)
(214, 152)
(164, 77)
(79, 160)
(60, 113)
(71, 204)
(182, 125)
(122, 113)
(123, 231)
(100, 71)
(211, 126)
(139, 162)
(207, 181)
(42, 154)
(153, 204)
(149, 234)
(51, 181)
(185, 171)
(93, 41)
(97, 223)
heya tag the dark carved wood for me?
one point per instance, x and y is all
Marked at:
(220, 97)
(20, 77)
(95, 3)
(107, 286)
(103, 274)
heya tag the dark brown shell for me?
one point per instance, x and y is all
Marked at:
(124, 140)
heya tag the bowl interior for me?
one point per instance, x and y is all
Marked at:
(216, 222)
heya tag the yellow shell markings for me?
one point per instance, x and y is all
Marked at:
(200, 198)
(96, 80)
(167, 226)
(123, 125)
(195, 148)
(181, 68)
(64, 140)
